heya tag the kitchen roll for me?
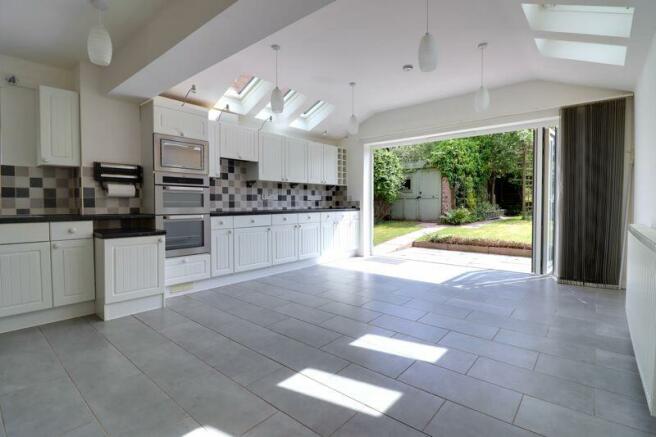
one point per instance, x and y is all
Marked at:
(120, 190)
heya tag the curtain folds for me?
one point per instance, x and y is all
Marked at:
(591, 206)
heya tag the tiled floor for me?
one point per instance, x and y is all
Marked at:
(334, 350)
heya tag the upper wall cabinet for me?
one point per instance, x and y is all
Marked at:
(180, 123)
(282, 159)
(59, 127)
(295, 160)
(237, 142)
(322, 164)
(329, 165)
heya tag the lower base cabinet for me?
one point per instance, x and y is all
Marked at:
(187, 269)
(25, 278)
(252, 248)
(223, 244)
(284, 244)
(72, 271)
(309, 240)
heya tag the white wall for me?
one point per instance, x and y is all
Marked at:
(110, 128)
(32, 74)
(645, 143)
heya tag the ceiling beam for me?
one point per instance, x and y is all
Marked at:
(181, 42)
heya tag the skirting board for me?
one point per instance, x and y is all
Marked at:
(220, 281)
(126, 308)
(28, 320)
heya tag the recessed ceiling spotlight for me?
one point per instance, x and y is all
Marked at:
(408, 67)
(324, 133)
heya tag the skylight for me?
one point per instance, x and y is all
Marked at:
(241, 86)
(614, 21)
(582, 51)
(312, 109)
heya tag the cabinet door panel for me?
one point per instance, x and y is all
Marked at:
(238, 142)
(25, 278)
(309, 240)
(271, 157)
(295, 160)
(222, 252)
(315, 163)
(179, 123)
(59, 122)
(252, 248)
(73, 278)
(327, 238)
(330, 165)
(283, 244)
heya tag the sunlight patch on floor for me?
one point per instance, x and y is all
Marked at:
(401, 348)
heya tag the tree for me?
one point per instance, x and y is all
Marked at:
(459, 161)
(388, 179)
(502, 155)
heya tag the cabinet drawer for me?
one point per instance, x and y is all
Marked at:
(330, 216)
(311, 217)
(352, 215)
(223, 222)
(24, 233)
(71, 230)
(250, 221)
(284, 219)
(187, 269)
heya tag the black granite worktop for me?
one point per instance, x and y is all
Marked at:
(70, 217)
(126, 233)
(280, 211)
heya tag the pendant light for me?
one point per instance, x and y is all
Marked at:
(277, 99)
(427, 49)
(354, 125)
(482, 100)
(99, 43)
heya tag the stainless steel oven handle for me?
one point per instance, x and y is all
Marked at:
(183, 217)
(176, 188)
(182, 145)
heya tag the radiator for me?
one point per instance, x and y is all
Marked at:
(641, 305)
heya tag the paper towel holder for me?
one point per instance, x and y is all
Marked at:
(105, 172)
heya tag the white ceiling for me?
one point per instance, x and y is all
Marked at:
(54, 32)
(368, 41)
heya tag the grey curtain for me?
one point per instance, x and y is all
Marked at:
(591, 176)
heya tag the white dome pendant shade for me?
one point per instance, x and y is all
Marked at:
(482, 99)
(277, 99)
(427, 49)
(99, 43)
(354, 124)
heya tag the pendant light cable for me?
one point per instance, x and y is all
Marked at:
(426, 16)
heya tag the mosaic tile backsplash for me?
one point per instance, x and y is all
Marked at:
(230, 192)
(38, 190)
(95, 198)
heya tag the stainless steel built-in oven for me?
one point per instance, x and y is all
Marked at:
(180, 155)
(181, 194)
(185, 234)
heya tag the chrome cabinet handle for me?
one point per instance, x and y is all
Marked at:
(160, 240)
(229, 232)
(55, 246)
(72, 230)
(284, 219)
(252, 220)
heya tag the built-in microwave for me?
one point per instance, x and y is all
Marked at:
(186, 234)
(181, 194)
(180, 155)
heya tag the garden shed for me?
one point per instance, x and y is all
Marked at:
(421, 196)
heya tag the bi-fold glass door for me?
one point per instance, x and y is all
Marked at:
(544, 198)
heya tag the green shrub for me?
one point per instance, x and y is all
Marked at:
(484, 210)
(458, 216)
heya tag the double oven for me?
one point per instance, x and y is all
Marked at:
(182, 194)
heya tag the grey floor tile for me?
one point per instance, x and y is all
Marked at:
(307, 300)
(612, 344)
(450, 358)
(263, 299)
(353, 328)
(616, 361)
(548, 388)
(389, 396)
(479, 306)
(527, 327)
(350, 311)
(465, 390)
(616, 381)
(304, 332)
(459, 325)
(299, 356)
(130, 334)
(386, 296)
(307, 314)
(280, 425)
(256, 314)
(408, 327)
(45, 409)
(547, 345)
(347, 297)
(395, 310)
(552, 420)
(161, 318)
(439, 308)
(455, 420)
(313, 404)
(497, 351)
(364, 425)
(92, 429)
(625, 411)
(367, 352)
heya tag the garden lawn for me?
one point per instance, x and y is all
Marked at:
(385, 231)
(512, 229)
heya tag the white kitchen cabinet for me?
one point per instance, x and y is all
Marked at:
(315, 163)
(185, 269)
(252, 248)
(328, 237)
(25, 278)
(309, 240)
(59, 127)
(181, 123)
(329, 165)
(129, 268)
(223, 261)
(295, 160)
(72, 271)
(270, 166)
(238, 142)
(284, 247)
